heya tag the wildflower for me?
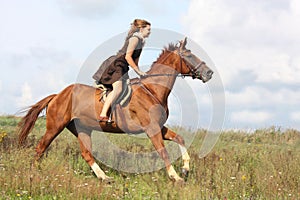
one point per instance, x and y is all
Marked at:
(221, 158)
(2, 135)
(244, 178)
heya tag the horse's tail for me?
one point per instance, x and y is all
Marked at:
(27, 122)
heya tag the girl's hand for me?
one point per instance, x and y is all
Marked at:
(141, 73)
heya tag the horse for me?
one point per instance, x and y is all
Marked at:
(76, 108)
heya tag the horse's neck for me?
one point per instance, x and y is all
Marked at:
(164, 76)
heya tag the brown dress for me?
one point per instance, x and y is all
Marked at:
(116, 67)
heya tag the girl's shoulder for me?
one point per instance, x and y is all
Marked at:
(139, 36)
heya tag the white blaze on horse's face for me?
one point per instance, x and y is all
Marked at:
(198, 68)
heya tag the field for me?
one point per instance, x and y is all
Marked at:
(260, 165)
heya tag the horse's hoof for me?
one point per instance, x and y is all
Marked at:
(108, 180)
(179, 182)
(35, 165)
(176, 180)
(185, 174)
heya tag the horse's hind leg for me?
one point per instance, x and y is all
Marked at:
(53, 128)
(84, 139)
(171, 135)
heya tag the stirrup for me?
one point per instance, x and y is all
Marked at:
(103, 119)
(109, 121)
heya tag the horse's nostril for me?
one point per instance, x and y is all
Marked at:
(209, 73)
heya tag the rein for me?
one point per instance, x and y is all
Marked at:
(193, 71)
(192, 74)
(175, 75)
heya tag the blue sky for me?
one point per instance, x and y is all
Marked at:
(254, 46)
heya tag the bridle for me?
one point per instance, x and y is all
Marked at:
(194, 73)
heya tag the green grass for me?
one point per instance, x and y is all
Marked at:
(260, 165)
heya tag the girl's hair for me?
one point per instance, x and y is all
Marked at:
(136, 25)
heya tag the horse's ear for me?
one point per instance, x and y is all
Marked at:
(183, 43)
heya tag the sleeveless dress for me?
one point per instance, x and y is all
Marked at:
(116, 67)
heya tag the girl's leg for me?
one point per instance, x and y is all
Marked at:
(111, 97)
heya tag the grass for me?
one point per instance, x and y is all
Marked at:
(260, 165)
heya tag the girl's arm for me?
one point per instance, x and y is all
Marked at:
(133, 42)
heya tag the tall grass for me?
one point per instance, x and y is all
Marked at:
(260, 165)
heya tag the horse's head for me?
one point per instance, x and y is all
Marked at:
(193, 65)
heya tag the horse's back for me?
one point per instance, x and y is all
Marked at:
(73, 100)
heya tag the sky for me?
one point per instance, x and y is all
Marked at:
(252, 45)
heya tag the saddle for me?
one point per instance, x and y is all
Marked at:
(121, 101)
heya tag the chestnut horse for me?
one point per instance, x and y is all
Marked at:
(77, 107)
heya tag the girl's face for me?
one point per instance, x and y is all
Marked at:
(146, 31)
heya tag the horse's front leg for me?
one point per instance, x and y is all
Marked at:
(171, 135)
(156, 138)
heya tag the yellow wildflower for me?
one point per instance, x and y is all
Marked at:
(2, 135)
(244, 177)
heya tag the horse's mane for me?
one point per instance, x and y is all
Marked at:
(167, 49)
(171, 47)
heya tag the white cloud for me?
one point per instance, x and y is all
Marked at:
(26, 96)
(90, 8)
(260, 36)
(255, 46)
(257, 96)
(295, 116)
(250, 117)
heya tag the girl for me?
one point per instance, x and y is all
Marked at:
(114, 70)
